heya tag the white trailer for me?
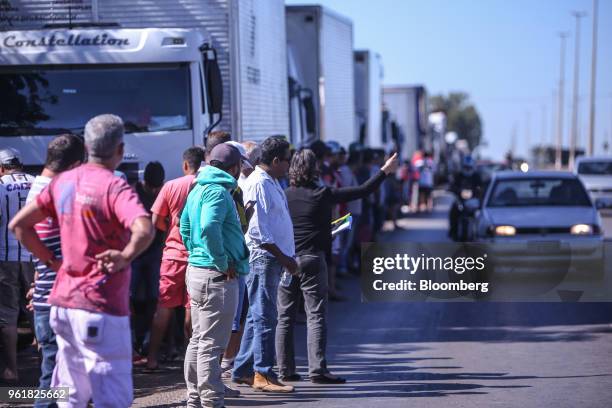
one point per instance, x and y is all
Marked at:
(368, 100)
(409, 108)
(320, 51)
(157, 81)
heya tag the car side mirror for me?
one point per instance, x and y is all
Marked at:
(603, 203)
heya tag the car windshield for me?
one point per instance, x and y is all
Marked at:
(603, 167)
(538, 192)
(54, 100)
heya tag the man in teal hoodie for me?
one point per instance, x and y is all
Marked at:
(211, 232)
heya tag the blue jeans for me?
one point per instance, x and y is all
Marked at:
(238, 315)
(349, 241)
(46, 339)
(257, 351)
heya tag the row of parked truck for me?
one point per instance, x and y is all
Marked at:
(176, 69)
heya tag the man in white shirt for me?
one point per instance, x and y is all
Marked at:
(16, 267)
(271, 243)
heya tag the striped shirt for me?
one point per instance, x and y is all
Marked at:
(14, 189)
(48, 232)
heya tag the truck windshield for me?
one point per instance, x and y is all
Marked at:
(59, 99)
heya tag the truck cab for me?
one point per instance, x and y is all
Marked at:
(163, 82)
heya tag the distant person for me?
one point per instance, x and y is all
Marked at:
(426, 182)
(16, 268)
(467, 179)
(144, 286)
(272, 249)
(217, 255)
(215, 138)
(64, 153)
(244, 215)
(172, 290)
(310, 206)
(253, 154)
(354, 207)
(103, 228)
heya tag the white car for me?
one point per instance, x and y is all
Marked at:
(596, 175)
(540, 219)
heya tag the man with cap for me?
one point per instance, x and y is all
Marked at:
(16, 269)
(212, 234)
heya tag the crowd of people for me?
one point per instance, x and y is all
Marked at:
(223, 260)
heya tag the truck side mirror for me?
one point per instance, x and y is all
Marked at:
(213, 80)
(310, 114)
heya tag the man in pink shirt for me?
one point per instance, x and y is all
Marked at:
(172, 290)
(103, 227)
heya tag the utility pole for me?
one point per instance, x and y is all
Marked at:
(553, 119)
(527, 133)
(513, 138)
(563, 37)
(543, 135)
(574, 129)
(591, 142)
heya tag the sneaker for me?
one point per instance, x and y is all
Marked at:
(268, 384)
(231, 392)
(243, 381)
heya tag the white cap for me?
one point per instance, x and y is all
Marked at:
(10, 156)
(243, 152)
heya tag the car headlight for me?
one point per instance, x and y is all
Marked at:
(582, 229)
(505, 230)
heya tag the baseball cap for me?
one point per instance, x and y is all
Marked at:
(226, 154)
(334, 147)
(10, 156)
(243, 152)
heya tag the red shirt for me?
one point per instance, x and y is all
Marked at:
(95, 210)
(169, 203)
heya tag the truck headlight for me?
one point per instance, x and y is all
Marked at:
(582, 229)
(505, 230)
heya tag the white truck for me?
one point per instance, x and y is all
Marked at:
(172, 69)
(409, 108)
(368, 100)
(320, 55)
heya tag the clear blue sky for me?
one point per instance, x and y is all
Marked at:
(505, 54)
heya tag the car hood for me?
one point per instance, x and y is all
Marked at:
(541, 216)
(594, 182)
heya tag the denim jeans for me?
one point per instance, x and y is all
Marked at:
(48, 346)
(238, 315)
(257, 350)
(349, 242)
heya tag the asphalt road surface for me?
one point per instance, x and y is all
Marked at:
(440, 354)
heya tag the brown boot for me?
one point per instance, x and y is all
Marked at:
(268, 384)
